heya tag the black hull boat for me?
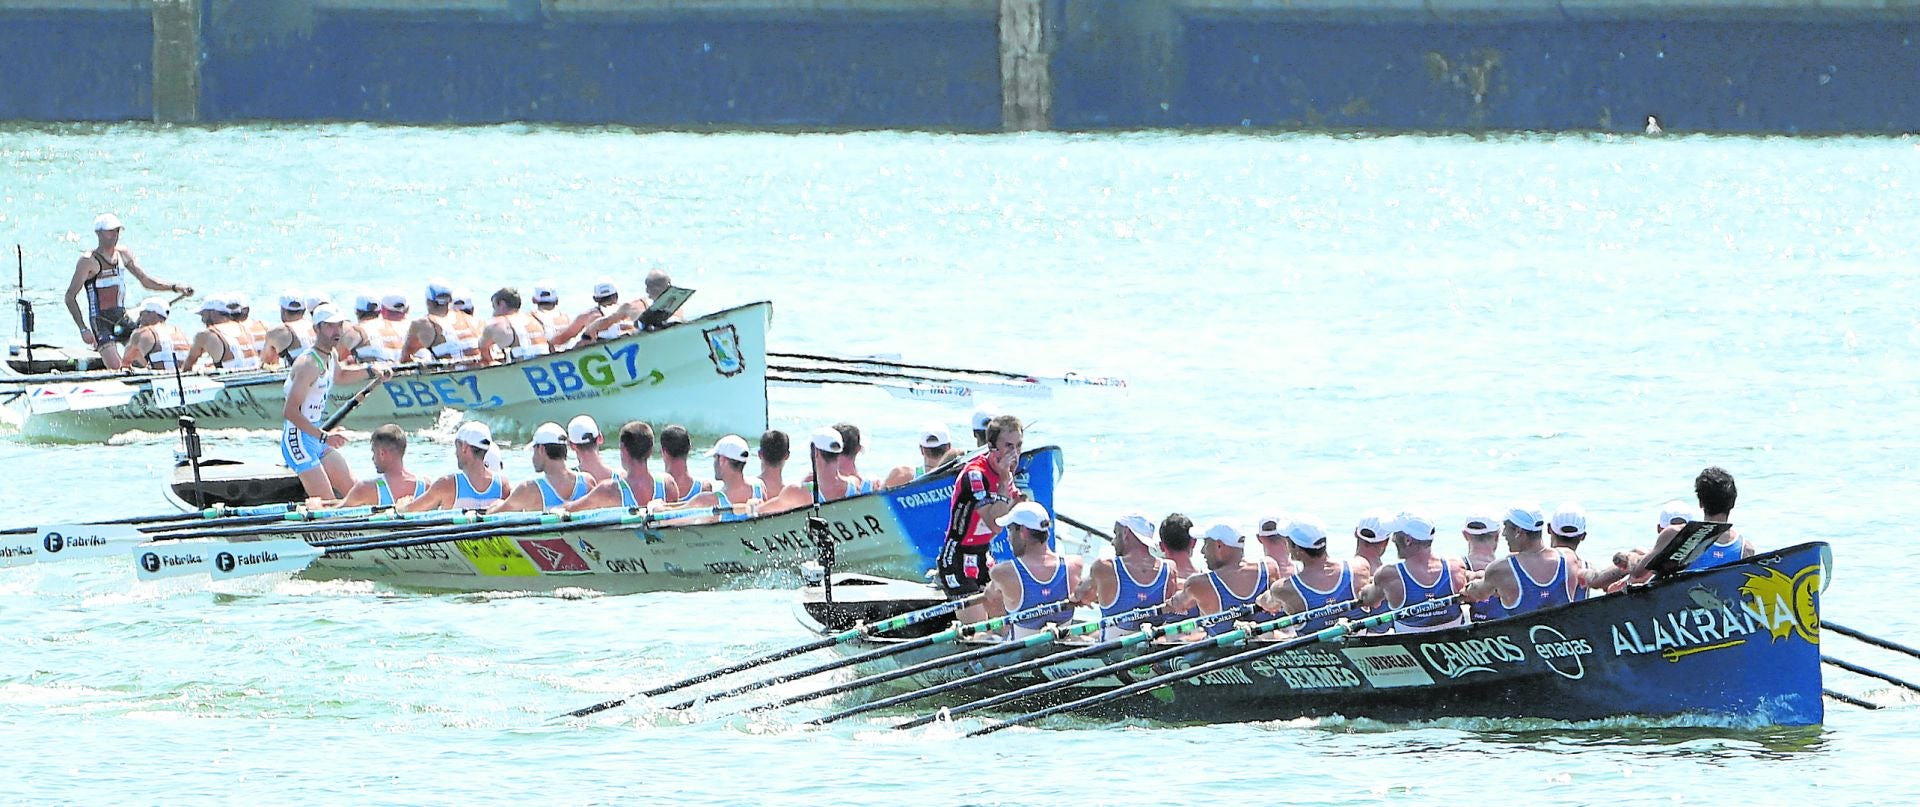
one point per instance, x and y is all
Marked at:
(1735, 643)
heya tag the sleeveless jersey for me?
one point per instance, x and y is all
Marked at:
(550, 498)
(1716, 554)
(1535, 595)
(170, 346)
(1485, 610)
(721, 500)
(699, 486)
(386, 492)
(1033, 592)
(1130, 594)
(314, 408)
(239, 353)
(626, 493)
(103, 289)
(1414, 594)
(529, 338)
(1341, 591)
(256, 334)
(618, 329)
(383, 342)
(1228, 599)
(299, 339)
(466, 498)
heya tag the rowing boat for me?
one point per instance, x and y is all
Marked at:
(708, 374)
(896, 531)
(1738, 643)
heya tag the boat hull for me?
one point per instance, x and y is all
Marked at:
(879, 532)
(1738, 642)
(708, 374)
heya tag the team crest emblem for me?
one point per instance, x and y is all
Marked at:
(150, 562)
(54, 542)
(224, 561)
(723, 346)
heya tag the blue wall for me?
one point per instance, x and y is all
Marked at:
(92, 66)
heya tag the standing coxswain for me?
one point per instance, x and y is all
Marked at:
(305, 448)
(475, 483)
(511, 335)
(982, 493)
(100, 275)
(157, 344)
(293, 337)
(554, 484)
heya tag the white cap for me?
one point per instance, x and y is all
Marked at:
(1526, 517)
(543, 292)
(1138, 524)
(315, 299)
(106, 221)
(1375, 527)
(237, 302)
(327, 313)
(1027, 514)
(1482, 522)
(1222, 532)
(827, 439)
(214, 302)
(493, 459)
(733, 447)
(549, 434)
(1307, 532)
(393, 302)
(462, 299)
(155, 305)
(934, 435)
(1270, 526)
(1675, 512)
(982, 415)
(1416, 526)
(1570, 521)
(474, 433)
(366, 302)
(438, 289)
(604, 288)
(292, 300)
(582, 429)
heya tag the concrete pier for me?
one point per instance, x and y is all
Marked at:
(1772, 66)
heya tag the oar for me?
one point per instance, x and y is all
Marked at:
(947, 636)
(1085, 527)
(918, 391)
(214, 512)
(1850, 667)
(1198, 623)
(1849, 699)
(843, 637)
(1041, 639)
(1158, 681)
(348, 407)
(941, 387)
(56, 542)
(1066, 379)
(1872, 640)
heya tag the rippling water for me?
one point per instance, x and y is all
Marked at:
(1309, 324)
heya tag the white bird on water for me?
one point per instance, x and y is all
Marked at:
(1653, 126)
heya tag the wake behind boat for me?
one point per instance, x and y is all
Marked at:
(1737, 642)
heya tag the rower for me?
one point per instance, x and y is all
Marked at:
(1715, 490)
(1176, 545)
(856, 484)
(936, 449)
(1132, 579)
(308, 450)
(730, 483)
(675, 445)
(386, 334)
(1419, 577)
(472, 445)
(546, 308)
(825, 451)
(981, 417)
(1483, 546)
(511, 334)
(602, 321)
(1320, 581)
(1518, 582)
(101, 276)
(157, 344)
(241, 309)
(554, 484)
(389, 473)
(1270, 532)
(1231, 579)
(440, 333)
(366, 308)
(626, 489)
(1370, 539)
(1036, 576)
(293, 337)
(1565, 530)
(462, 301)
(583, 435)
(774, 450)
(983, 492)
(225, 342)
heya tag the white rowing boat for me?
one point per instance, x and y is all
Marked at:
(708, 374)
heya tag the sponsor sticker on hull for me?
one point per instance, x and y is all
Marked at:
(1388, 667)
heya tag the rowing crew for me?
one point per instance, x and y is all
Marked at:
(380, 330)
(1299, 574)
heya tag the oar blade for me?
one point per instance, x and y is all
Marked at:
(161, 560)
(72, 542)
(197, 390)
(249, 558)
(99, 395)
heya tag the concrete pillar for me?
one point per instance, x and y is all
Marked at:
(1026, 85)
(176, 61)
